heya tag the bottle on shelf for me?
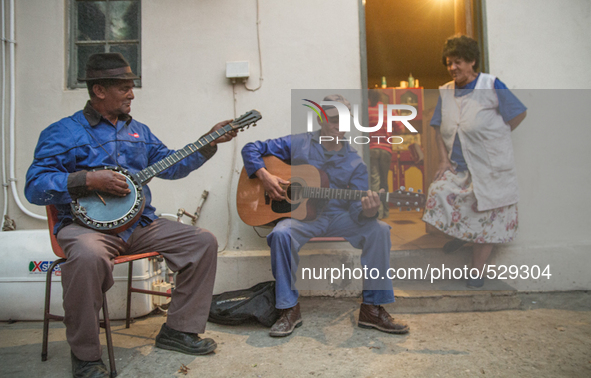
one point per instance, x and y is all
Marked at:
(384, 85)
(411, 81)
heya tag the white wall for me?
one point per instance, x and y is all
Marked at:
(540, 44)
(185, 46)
(541, 49)
(537, 47)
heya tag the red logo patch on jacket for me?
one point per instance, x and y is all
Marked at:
(135, 135)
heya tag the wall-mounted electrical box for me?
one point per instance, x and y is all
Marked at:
(237, 70)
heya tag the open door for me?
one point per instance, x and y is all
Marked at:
(403, 39)
(468, 20)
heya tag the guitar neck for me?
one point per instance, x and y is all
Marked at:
(398, 198)
(154, 169)
(333, 193)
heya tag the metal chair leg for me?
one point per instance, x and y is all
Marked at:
(128, 312)
(47, 306)
(109, 339)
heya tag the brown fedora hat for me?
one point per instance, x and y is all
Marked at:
(108, 66)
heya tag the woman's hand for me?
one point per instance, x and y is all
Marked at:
(444, 166)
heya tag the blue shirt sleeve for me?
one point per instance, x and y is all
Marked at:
(359, 181)
(436, 119)
(252, 153)
(47, 177)
(509, 105)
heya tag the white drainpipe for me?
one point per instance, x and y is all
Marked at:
(4, 181)
(11, 57)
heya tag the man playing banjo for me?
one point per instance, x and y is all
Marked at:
(104, 134)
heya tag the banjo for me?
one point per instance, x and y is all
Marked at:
(113, 214)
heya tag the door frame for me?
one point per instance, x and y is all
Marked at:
(469, 19)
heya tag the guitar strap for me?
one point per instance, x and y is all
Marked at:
(99, 143)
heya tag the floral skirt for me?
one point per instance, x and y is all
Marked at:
(451, 207)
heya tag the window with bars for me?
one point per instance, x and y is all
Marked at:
(103, 26)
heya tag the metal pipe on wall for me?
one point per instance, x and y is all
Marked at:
(4, 180)
(11, 57)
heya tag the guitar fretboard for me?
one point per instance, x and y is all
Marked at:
(154, 169)
(333, 193)
(398, 198)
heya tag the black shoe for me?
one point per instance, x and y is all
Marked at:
(184, 342)
(453, 245)
(88, 369)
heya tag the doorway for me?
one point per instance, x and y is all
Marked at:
(404, 40)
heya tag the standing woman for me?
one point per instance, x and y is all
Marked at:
(474, 193)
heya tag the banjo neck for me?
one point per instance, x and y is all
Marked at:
(153, 170)
(114, 214)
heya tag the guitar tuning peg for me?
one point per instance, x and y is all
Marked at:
(418, 209)
(402, 188)
(410, 189)
(419, 191)
(397, 203)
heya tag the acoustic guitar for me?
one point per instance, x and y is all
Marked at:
(307, 192)
(113, 214)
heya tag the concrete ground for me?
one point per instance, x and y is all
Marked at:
(548, 336)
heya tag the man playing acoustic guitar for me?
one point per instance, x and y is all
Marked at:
(356, 221)
(104, 134)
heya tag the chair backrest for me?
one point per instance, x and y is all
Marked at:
(51, 222)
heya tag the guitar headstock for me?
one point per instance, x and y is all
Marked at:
(244, 121)
(407, 200)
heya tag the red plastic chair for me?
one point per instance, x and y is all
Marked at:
(106, 324)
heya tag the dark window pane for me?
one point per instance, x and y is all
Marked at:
(130, 53)
(91, 20)
(84, 52)
(104, 26)
(124, 20)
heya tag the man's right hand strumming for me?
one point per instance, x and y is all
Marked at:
(107, 181)
(273, 185)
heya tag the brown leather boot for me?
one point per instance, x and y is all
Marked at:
(377, 317)
(290, 319)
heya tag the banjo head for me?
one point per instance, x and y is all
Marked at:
(109, 213)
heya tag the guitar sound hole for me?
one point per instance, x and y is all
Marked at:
(294, 192)
(282, 207)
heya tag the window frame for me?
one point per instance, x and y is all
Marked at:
(73, 42)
